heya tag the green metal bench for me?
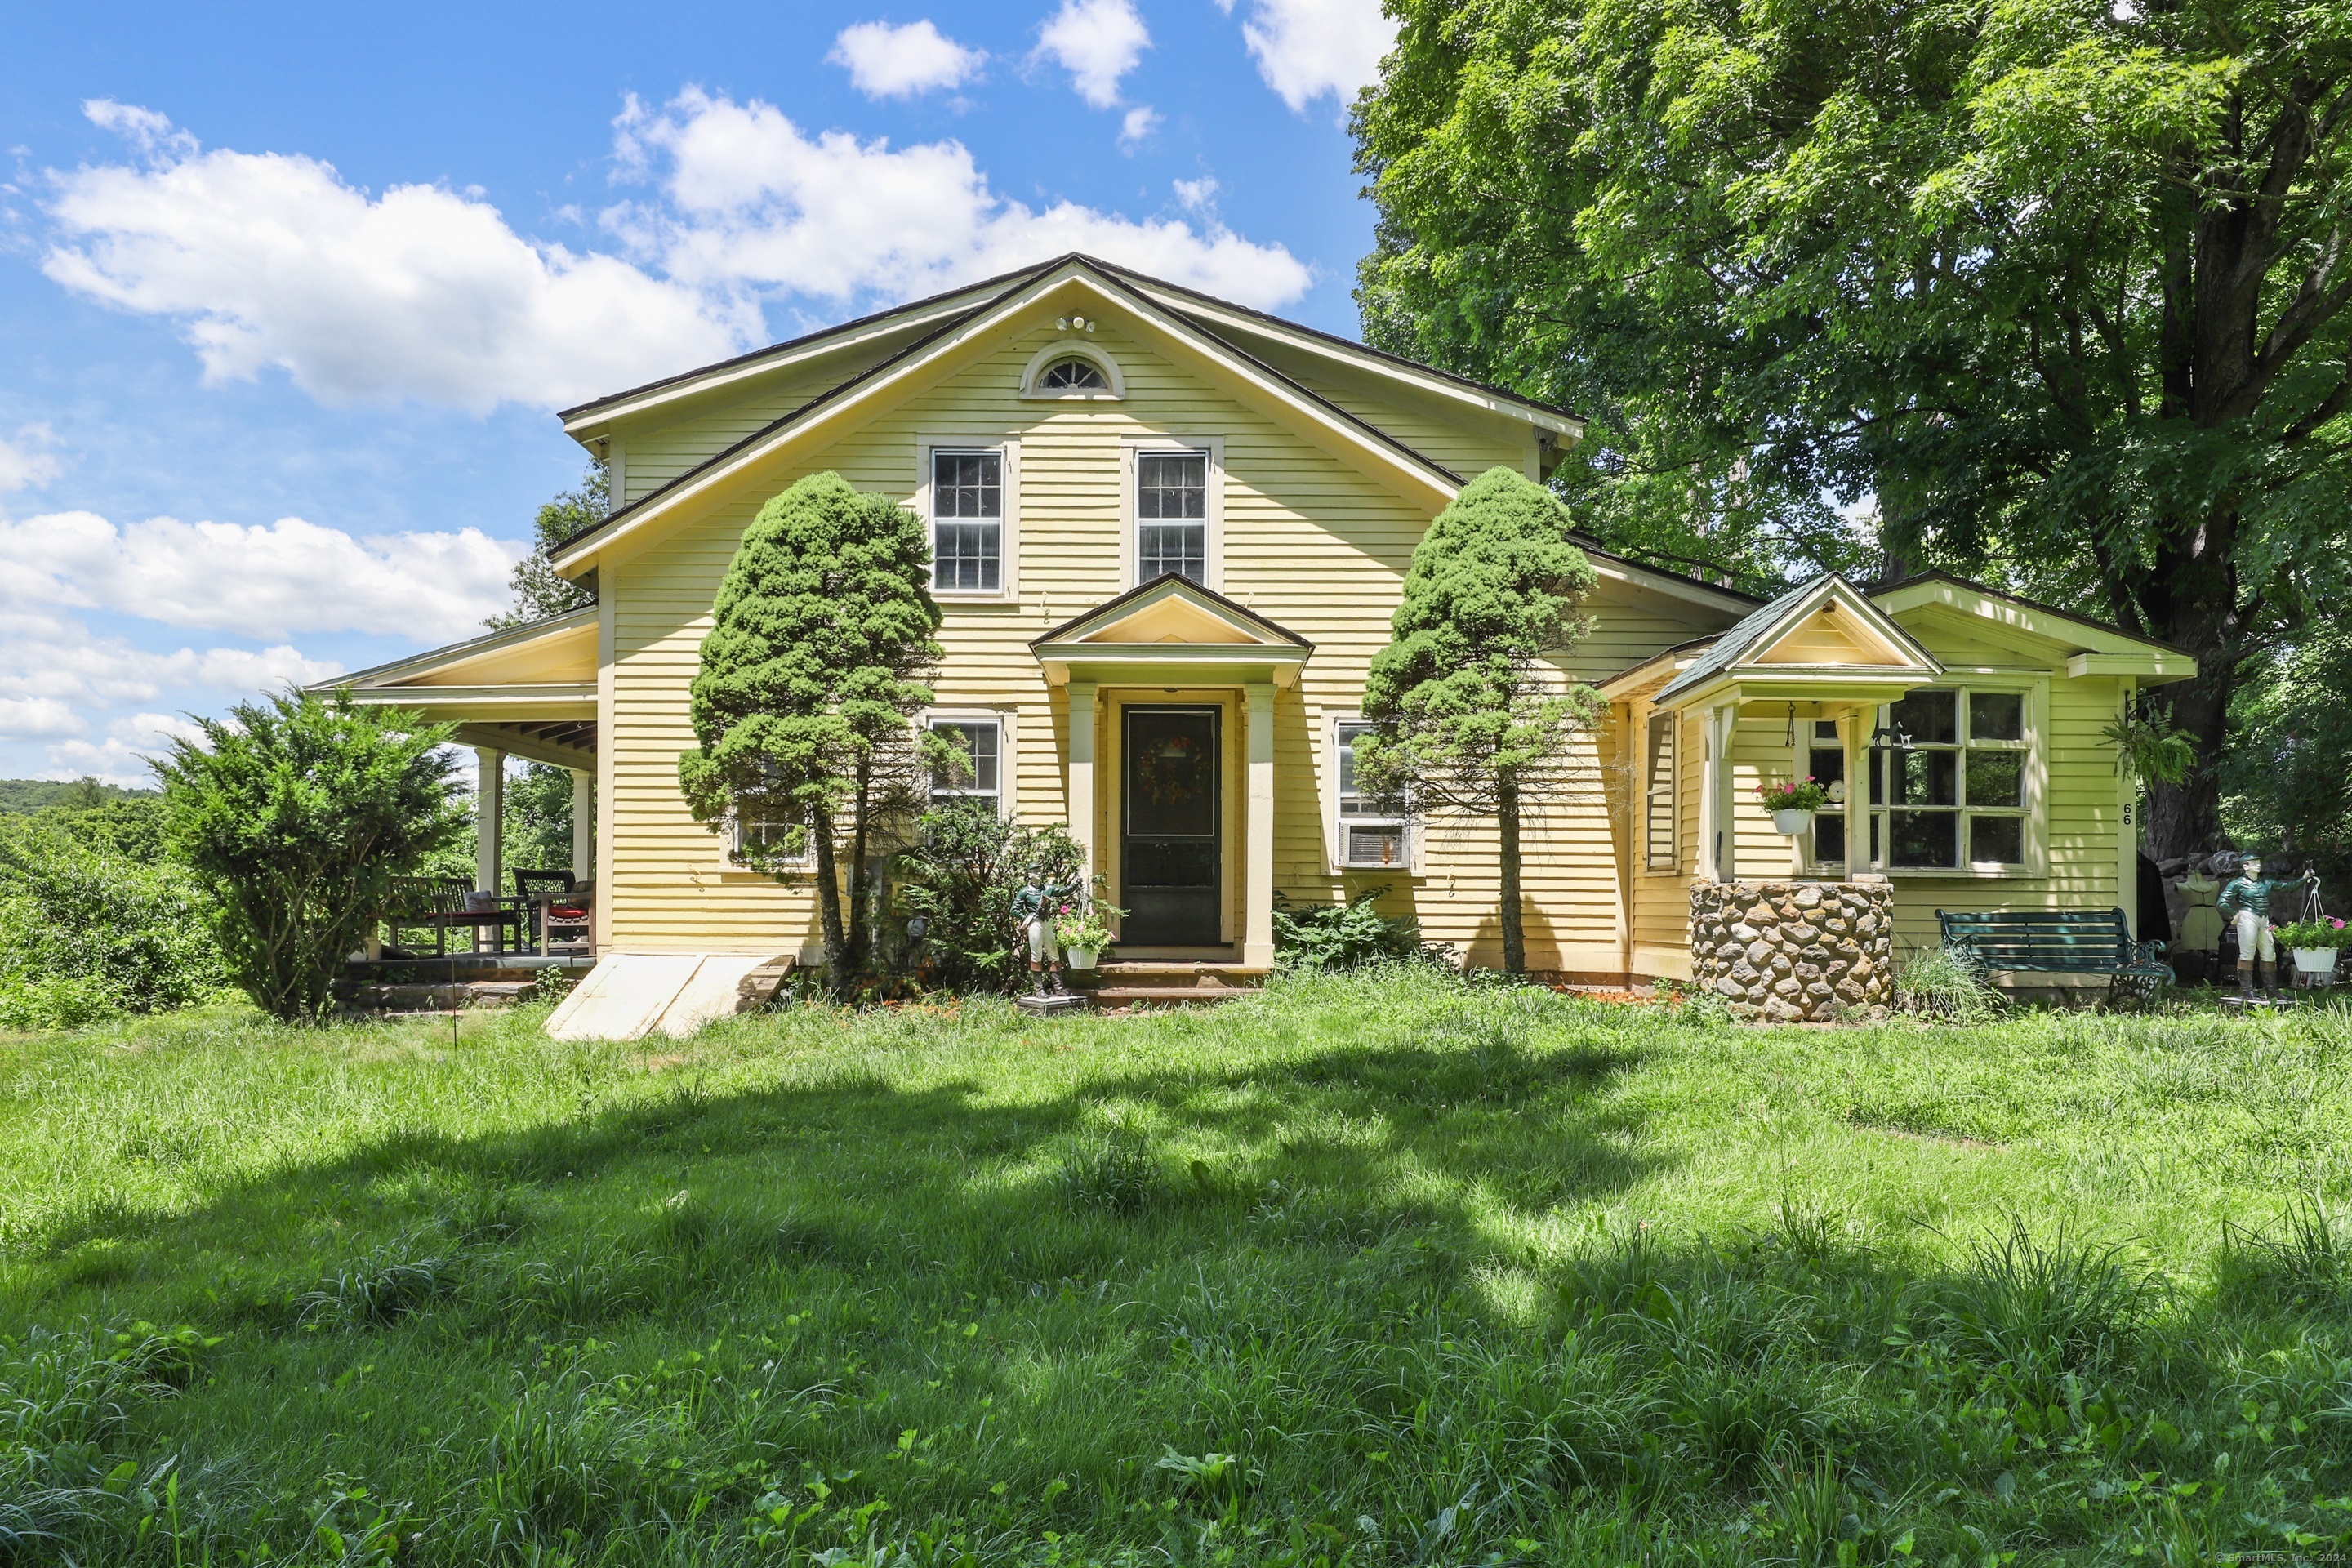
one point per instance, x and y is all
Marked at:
(2059, 941)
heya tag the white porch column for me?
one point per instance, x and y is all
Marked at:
(489, 818)
(1717, 851)
(1081, 800)
(1257, 899)
(490, 814)
(583, 825)
(1853, 731)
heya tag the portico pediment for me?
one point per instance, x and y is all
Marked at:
(1169, 629)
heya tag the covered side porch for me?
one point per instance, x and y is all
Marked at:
(1170, 712)
(527, 691)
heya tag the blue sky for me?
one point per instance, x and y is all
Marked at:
(287, 293)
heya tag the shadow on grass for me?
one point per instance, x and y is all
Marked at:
(1327, 1148)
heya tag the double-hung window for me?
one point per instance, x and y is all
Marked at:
(982, 775)
(1368, 836)
(1662, 846)
(1171, 516)
(1950, 779)
(967, 521)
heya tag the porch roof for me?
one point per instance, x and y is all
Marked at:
(530, 690)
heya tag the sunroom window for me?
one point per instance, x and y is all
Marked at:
(1948, 772)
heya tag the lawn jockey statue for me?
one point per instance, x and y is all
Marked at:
(1034, 906)
(2246, 901)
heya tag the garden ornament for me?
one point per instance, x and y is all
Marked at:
(2247, 898)
(1035, 907)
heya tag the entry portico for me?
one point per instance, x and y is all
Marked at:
(1141, 654)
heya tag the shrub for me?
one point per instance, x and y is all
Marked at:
(94, 922)
(1942, 982)
(296, 813)
(1345, 935)
(955, 887)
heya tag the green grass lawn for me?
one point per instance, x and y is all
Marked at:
(1390, 1270)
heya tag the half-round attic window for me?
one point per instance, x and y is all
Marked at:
(1073, 375)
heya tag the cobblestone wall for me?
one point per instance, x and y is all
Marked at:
(1795, 951)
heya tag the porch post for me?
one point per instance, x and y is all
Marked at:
(583, 825)
(490, 815)
(1081, 801)
(489, 809)
(1719, 852)
(1856, 733)
(1257, 904)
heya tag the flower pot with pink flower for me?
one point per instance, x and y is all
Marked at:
(2316, 943)
(1793, 803)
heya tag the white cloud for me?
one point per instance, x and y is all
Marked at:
(271, 260)
(884, 61)
(37, 718)
(1139, 122)
(1306, 49)
(26, 458)
(752, 201)
(1198, 196)
(1097, 42)
(263, 581)
(58, 679)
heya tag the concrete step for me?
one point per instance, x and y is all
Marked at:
(1162, 976)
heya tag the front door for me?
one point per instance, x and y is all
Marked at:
(1171, 851)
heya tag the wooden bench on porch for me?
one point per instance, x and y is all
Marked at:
(2059, 941)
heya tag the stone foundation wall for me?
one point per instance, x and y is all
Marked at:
(1787, 952)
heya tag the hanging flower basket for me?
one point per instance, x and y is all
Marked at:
(2316, 943)
(2315, 959)
(1793, 803)
(1080, 957)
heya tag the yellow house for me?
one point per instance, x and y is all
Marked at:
(1169, 533)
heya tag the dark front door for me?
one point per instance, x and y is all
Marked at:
(1169, 849)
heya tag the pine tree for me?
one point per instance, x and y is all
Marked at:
(810, 677)
(1468, 717)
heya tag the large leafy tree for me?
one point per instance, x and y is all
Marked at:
(811, 675)
(539, 591)
(2059, 286)
(1470, 716)
(296, 813)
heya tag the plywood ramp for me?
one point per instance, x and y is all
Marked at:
(629, 996)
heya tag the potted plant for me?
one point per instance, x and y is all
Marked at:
(1793, 803)
(1082, 928)
(2316, 943)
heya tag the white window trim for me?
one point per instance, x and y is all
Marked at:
(1335, 825)
(1007, 721)
(1130, 448)
(1070, 348)
(2035, 690)
(1008, 588)
(729, 828)
(1673, 862)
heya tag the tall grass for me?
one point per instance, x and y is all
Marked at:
(1381, 1270)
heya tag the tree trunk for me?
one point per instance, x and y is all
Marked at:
(1507, 817)
(828, 900)
(859, 946)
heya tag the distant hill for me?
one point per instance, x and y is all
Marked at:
(33, 795)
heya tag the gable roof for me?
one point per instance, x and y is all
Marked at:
(1434, 478)
(1749, 641)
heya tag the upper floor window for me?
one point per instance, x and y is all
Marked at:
(1171, 512)
(1073, 375)
(982, 775)
(968, 522)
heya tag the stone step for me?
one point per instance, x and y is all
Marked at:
(1166, 995)
(441, 998)
(1162, 976)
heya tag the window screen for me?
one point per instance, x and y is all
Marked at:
(1171, 512)
(967, 521)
